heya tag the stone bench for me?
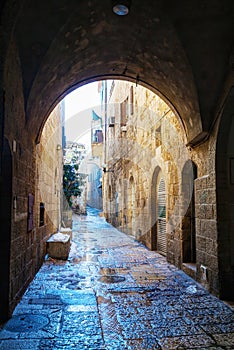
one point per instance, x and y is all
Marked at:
(58, 246)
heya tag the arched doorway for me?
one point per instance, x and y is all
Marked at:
(189, 173)
(131, 204)
(109, 203)
(5, 235)
(225, 199)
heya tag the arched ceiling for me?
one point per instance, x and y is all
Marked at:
(180, 48)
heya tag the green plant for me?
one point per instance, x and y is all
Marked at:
(72, 181)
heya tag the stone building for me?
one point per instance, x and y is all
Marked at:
(152, 179)
(183, 51)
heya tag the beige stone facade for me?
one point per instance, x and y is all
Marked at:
(49, 174)
(158, 189)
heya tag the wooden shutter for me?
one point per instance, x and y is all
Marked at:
(161, 229)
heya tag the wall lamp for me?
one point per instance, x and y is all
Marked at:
(105, 169)
(121, 7)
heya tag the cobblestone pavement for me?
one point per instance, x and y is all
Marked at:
(113, 293)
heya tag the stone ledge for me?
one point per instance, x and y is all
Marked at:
(190, 269)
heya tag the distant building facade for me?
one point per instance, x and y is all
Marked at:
(94, 162)
(94, 184)
(75, 154)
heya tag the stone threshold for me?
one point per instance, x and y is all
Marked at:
(190, 269)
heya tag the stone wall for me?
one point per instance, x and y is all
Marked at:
(23, 181)
(146, 143)
(206, 214)
(49, 174)
(26, 238)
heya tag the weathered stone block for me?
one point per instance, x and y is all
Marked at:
(206, 211)
(58, 246)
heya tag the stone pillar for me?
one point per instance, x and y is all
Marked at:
(206, 232)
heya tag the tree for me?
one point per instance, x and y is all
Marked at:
(72, 181)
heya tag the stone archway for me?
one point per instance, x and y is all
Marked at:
(5, 235)
(79, 43)
(225, 199)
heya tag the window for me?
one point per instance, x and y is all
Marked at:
(42, 214)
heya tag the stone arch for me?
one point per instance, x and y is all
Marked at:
(106, 45)
(189, 174)
(5, 236)
(225, 199)
(44, 114)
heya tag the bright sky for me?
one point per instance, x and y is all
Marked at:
(78, 112)
(81, 99)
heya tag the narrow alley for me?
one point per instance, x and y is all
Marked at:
(113, 293)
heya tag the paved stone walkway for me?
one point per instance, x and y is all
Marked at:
(113, 293)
